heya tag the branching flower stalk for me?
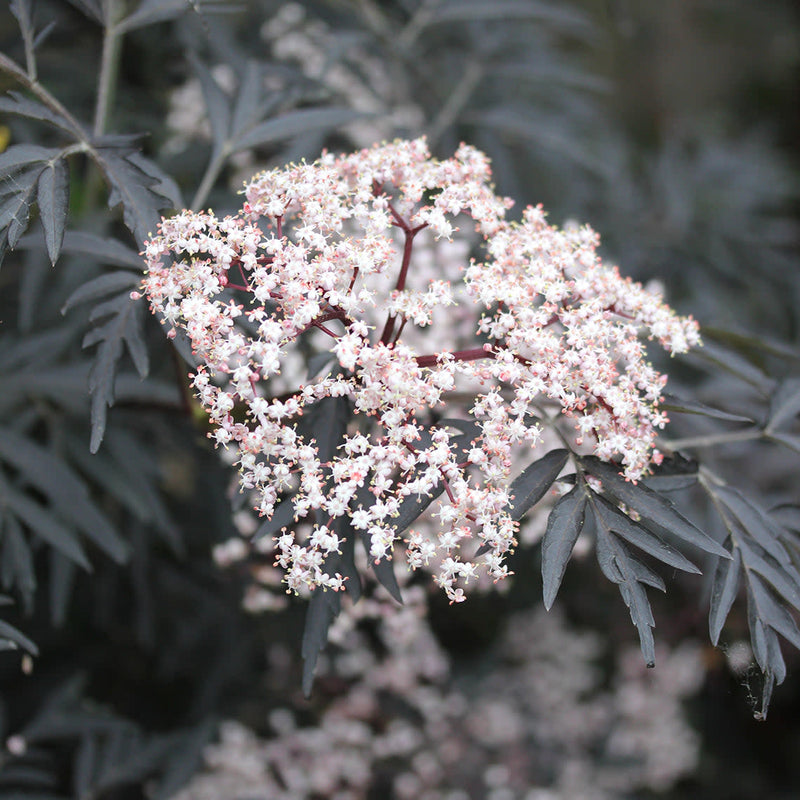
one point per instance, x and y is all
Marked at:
(320, 259)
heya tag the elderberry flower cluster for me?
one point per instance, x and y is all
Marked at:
(410, 404)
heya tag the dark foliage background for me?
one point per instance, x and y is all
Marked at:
(672, 128)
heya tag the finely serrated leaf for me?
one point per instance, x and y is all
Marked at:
(53, 198)
(110, 306)
(785, 403)
(15, 211)
(622, 525)
(644, 574)
(563, 528)
(783, 578)
(20, 105)
(125, 326)
(682, 406)
(753, 519)
(103, 248)
(531, 485)
(724, 588)
(323, 608)
(621, 568)
(657, 512)
(772, 613)
(163, 185)
(19, 156)
(294, 123)
(133, 188)
(100, 287)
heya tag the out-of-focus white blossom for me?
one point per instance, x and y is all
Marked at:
(544, 724)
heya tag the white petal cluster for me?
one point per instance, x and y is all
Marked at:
(321, 259)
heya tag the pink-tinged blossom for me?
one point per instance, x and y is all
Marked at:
(335, 258)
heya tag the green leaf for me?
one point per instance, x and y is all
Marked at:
(563, 528)
(657, 513)
(531, 485)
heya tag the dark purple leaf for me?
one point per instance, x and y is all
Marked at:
(563, 528)
(53, 199)
(531, 485)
